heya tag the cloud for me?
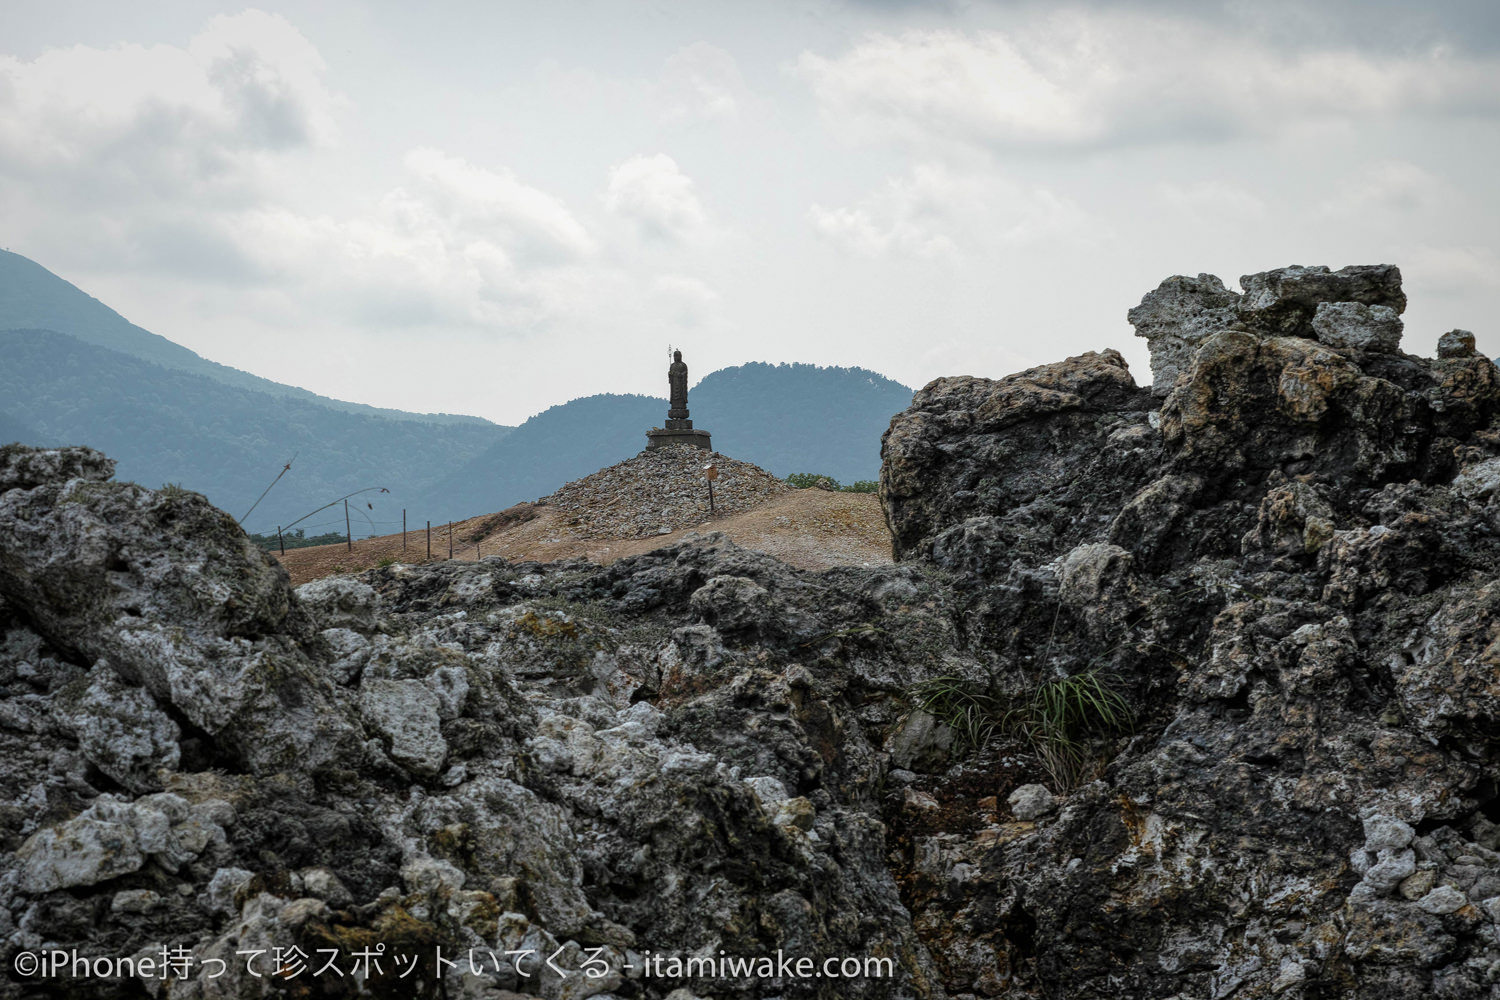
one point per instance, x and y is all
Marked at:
(127, 154)
(683, 301)
(1391, 187)
(144, 121)
(1213, 200)
(658, 197)
(466, 201)
(700, 82)
(1452, 269)
(1087, 78)
(455, 243)
(936, 212)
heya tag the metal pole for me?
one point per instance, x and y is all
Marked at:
(403, 529)
(348, 535)
(450, 539)
(429, 539)
(281, 541)
(710, 496)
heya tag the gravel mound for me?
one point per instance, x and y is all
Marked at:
(660, 491)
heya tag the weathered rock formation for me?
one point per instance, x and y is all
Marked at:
(1282, 557)
(1292, 563)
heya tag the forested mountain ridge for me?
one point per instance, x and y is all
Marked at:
(167, 425)
(33, 298)
(76, 372)
(784, 418)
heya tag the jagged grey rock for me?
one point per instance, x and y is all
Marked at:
(1286, 566)
(1030, 802)
(1356, 325)
(173, 596)
(406, 714)
(113, 838)
(1284, 301)
(1176, 317)
(340, 602)
(120, 729)
(1456, 344)
(1443, 900)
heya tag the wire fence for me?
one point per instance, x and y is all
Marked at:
(399, 539)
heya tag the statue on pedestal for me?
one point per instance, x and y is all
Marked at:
(679, 429)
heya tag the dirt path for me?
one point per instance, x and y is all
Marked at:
(809, 529)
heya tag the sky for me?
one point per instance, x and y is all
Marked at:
(493, 207)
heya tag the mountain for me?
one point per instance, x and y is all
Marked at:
(12, 429)
(167, 425)
(785, 418)
(76, 372)
(33, 298)
(799, 418)
(554, 447)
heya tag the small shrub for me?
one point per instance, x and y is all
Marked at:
(806, 480)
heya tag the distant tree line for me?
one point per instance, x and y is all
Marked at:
(806, 480)
(295, 539)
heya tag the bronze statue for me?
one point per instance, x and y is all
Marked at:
(677, 378)
(679, 429)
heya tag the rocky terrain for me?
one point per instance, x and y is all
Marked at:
(657, 492)
(630, 508)
(1184, 690)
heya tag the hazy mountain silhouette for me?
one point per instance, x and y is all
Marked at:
(12, 429)
(556, 446)
(166, 425)
(799, 418)
(33, 298)
(73, 371)
(785, 418)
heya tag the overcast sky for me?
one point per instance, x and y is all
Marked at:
(492, 207)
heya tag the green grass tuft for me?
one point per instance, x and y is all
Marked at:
(1061, 721)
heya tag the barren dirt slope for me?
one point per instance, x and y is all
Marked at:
(810, 529)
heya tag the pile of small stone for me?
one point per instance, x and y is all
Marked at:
(660, 491)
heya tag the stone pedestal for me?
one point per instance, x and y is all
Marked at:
(658, 437)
